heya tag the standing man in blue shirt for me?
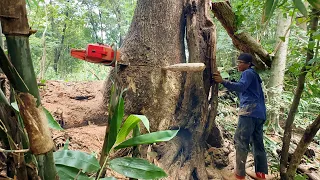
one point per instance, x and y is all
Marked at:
(252, 115)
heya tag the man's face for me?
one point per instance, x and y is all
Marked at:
(242, 66)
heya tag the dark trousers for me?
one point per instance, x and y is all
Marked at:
(250, 130)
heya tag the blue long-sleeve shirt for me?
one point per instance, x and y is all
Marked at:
(250, 92)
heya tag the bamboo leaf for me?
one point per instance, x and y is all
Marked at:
(66, 172)
(154, 137)
(301, 7)
(51, 121)
(269, 7)
(115, 124)
(3, 98)
(77, 159)
(129, 124)
(14, 105)
(136, 168)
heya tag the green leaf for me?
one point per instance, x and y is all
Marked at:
(224, 74)
(129, 124)
(115, 124)
(154, 137)
(136, 168)
(301, 7)
(70, 173)
(108, 178)
(14, 105)
(315, 3)
(268, 10)
(282, 38)
(51, 121)
(77, 159)
(66, 145)
(3, 98)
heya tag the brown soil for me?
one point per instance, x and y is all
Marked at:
(76, 106)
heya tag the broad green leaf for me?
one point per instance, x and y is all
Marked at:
(115, 124)
(77, 159)
(51, 121)
(108, 178)
(3, 98)
(129, 124)
(70, 173)
(136, 168)
(301, 7)
(268, 10)
(154, 137)
(224, 74)
(315, 3)
(14, 105)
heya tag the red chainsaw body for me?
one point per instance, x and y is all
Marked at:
(96, 53)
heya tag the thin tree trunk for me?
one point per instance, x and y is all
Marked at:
(305, 141)
(275, 86)
(296, 100)
(59, 49)
(44, 51)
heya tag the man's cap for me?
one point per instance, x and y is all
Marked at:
(245, 57)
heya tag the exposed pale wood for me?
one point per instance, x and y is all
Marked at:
(188, 67)
(242, 41)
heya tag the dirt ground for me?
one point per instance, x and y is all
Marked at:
(77, 107)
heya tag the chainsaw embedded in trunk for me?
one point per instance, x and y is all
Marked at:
(97, 53)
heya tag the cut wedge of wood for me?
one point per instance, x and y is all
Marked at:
(186, 67)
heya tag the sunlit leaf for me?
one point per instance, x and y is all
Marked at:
(51, 121)
(154, 137)
(136, 168)
(77, 159)
(129, 124)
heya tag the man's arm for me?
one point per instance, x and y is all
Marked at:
(240, 86)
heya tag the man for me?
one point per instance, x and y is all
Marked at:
(252, 115)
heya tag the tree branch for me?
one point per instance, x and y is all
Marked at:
(242, 41)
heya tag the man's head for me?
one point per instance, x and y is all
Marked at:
(244, 61)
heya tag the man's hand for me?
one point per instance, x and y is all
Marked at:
(217, 77)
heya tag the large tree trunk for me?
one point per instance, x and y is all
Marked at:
(275, 86)
(172, 100)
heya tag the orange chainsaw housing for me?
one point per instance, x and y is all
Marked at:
(96, 53)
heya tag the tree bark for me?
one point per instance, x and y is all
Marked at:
(275, 86)
(171, 100)
(306, 139)
(58, 50)
(243, 41)
(296, 100)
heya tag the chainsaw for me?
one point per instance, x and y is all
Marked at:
(97, 53)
